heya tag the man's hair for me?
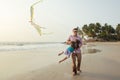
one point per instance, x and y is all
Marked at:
(75, 29)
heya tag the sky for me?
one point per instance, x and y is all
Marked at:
(57, 16)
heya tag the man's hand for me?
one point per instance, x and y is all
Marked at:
(68, 42)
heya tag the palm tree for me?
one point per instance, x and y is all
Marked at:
(98, 28)
(107, 32)
(80, 32)
(118, 31)
(85, 29)
(92, 30)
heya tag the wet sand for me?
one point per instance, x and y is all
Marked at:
(103, 65)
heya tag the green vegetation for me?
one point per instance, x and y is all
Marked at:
(100, 32)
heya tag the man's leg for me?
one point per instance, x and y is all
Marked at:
(74, 63)
(78, 61)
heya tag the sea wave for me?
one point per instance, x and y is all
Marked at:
(15, 46)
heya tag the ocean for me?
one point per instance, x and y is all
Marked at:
(18, 46)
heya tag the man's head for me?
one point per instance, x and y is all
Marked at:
(75, 30)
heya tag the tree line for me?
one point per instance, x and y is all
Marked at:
(100, 32)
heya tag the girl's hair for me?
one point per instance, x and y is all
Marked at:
(75, 45)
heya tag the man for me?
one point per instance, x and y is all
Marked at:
(77, 53)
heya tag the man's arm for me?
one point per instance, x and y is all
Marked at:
(81, 43)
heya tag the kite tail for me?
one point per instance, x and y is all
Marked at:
(32, 12)
(37, 27)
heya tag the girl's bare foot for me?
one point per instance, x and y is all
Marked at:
(59, 54)
(60, 61)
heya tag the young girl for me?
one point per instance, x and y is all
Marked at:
(70, 50)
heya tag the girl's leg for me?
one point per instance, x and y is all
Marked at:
(63, 59)
(61, 53)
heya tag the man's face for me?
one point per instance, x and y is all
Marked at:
(74, 32)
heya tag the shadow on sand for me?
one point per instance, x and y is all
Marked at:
(110, 71)
(92, 51)
(96, 76)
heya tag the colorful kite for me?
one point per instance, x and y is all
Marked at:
(32, 9)
(37, 26)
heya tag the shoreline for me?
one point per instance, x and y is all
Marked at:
(103, 41)
(118, 42)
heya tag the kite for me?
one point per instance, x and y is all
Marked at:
(32, 9)
(37, 26)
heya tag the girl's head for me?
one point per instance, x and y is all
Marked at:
(77, 44)
(73, 44)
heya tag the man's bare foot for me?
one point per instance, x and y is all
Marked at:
(79, 70)
(74, 74)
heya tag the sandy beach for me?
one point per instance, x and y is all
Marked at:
(33, 33)
(104, 64)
